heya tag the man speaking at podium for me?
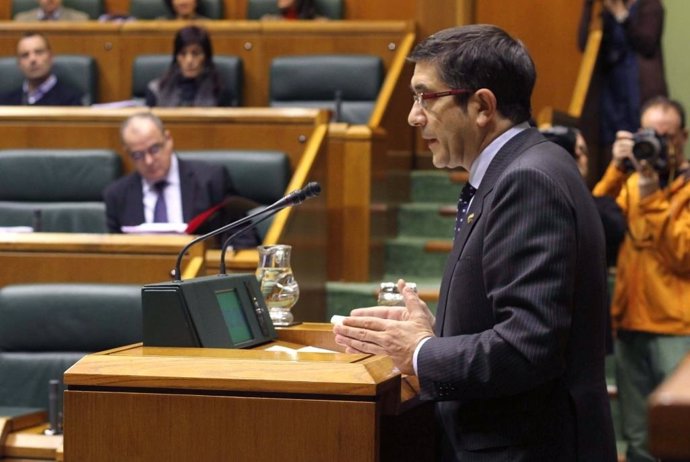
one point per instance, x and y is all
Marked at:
(514, 358)
(165, 189)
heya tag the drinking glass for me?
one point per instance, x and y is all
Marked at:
(278, 284)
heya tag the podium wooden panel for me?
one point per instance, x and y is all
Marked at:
(141, 403)
(669, 416)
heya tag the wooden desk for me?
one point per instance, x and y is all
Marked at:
(75, 257)
(669, 415)
(178, 404)
(341, 157)
(21, 435)
(287, 130)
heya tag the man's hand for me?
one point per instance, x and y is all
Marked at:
(617, 8)
(622, 149)
(393, 331)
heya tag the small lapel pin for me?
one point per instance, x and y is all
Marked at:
(470, 218)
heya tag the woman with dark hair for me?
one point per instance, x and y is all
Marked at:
(192, 78)
(183, 9)
(294, 9)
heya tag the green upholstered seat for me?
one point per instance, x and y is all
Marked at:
(332, 9)
(259, 175)
(65, 185)
(80, 71)
(348, 85)
(94, 8)
(153, 9)
(45, 328)
(148, 67)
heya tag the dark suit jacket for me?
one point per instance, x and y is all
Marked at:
(202, 186)
(61, 94)
(517, 367)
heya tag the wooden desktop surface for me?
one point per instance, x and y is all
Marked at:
(253, 370)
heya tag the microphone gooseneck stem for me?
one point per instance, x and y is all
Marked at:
(226, 244)
(296, 197)
(177, 274)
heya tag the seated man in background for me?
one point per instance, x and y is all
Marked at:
(651, 301)
(41, 86)
(165, 189)
(51, 10)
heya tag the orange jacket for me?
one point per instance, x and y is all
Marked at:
(652, 292)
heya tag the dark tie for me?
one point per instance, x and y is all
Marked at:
(160, 211)
(463, 204)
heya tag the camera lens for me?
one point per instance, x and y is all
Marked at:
(646, 149)
(648, 145)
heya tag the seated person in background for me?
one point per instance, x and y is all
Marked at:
(183, 10)
(51, 10)
(294, 9)
(41, 87)
(165, 189)
(192, 78)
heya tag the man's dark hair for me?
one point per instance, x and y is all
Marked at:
(482, 56)
(665, 103)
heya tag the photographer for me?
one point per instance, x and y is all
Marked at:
(650, 178)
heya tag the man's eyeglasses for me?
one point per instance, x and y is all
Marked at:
(422, 98)
(152, 150)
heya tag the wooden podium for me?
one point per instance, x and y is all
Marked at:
(139, 403)
(669, 415)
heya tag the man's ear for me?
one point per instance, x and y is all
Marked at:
(486, 111)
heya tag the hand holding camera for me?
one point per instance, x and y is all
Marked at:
(645, 152)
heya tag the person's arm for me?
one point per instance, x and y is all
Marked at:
(151, 100)
(666, 220)
(644, 29)
(111, 213)
(585, 21)
(614, 178)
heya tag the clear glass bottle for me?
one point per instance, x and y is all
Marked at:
(389, 295)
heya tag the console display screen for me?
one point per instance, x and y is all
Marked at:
(234, 316)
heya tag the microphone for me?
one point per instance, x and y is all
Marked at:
(312, 189)
(338, 113)
(296, 197)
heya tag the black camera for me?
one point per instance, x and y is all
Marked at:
(650, 146)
